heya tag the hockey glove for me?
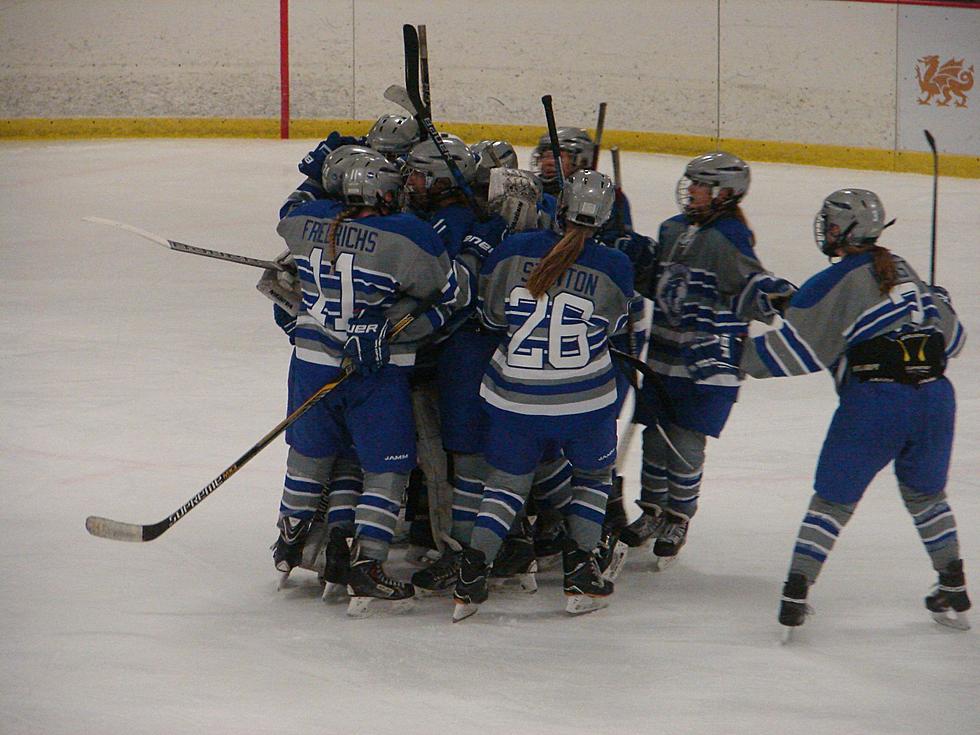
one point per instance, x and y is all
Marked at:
(514, 195)
(712, 356)
(282, 287)
(638, 248)
(764, 296)
(367, 341)
(312, 163)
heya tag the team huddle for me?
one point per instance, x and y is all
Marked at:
(480, 326)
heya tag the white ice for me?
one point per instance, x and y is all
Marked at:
(133, 375)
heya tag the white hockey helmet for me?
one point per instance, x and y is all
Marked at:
(574, 141)
(336, 164)
(719, 170)
(587, 198)
(425, 157)
(492, 154)
(393, 135)
(368, 179)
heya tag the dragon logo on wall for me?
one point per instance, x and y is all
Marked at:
(948, 80)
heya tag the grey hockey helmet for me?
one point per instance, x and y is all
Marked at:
(394, 135)
(848, 217)
(337, 162)
(587, 198)
(368, 179)
(492, 154)
(574, 141)
(425, 157)
(720, 171)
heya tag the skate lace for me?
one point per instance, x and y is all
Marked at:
(674, 532)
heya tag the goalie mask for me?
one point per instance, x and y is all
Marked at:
(573, 141)
(368, 181)
(492, 154)
(848, 217)
(726, 178)
(336, 164)
(393, 135)
(587, 199)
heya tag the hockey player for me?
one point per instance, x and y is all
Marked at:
(393, 135)
(706, 280)
(885, 336)
(559, 298)
(356, 265)
(490, 154)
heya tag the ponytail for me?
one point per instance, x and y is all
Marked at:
(558, 259)
(883, 264)
(334, 226)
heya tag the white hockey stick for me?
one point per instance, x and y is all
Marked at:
(399, 95)
(184, 248)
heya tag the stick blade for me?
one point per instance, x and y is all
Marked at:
(114, 530)
(399, 95)
(129, 228)
(930, 140)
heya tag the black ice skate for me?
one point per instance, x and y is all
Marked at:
(372, 590)
(549, 538)
(440, 576)
(642, 530)
(516, 562)
(585, 587)
(792, 607)
(336, 564)
(670, 540)
(610, 554)
(287, 551)
(948, 601)
(471, 585)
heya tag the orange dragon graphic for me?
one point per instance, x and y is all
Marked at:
(947, 80)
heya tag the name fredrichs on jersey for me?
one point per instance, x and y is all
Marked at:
(349, 235)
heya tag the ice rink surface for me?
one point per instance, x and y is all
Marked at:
(132, 376)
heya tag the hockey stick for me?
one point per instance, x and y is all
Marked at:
(424, 70)
(410, 98)
(183, 248)
(120, 531)
(618, 185)
(935, 201)
(600, 125)
(549, 114)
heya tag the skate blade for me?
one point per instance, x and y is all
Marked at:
(463, 610)
(620, 550)
(283, 580)
(519, 582)
(365, 607)
(952, 619)
(788, 634)
(419, 556)
(662, 563)
(548, 562)
(333, 592)
(580, 604)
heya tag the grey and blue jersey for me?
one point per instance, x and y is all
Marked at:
(380, 260)
(555, 359)
(841, 307)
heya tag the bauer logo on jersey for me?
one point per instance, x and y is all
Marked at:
(945, 81)
(362, 328)
(672, 292)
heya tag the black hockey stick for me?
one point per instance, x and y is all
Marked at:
(935, 202)
(184, 248)
(618, 185)
(600, 126)
(549, 114)
(424, 70)
(120, 531)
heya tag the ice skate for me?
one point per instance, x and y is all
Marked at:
(287, 551)
(948, 602)
(642, 531)
(372, 591)
(585, 587)
(516, 563)
(610, 554)
(336, 565)
(440, 576)
(670, 540)
(792, 607)
(549, 538)
(471, 585)
(421, 546)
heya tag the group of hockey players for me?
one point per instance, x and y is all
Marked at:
(481, 325)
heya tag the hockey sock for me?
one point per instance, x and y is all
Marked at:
(469, 473)
(377, 512)
(303, 485)
(653, 477)
(935, 523)
(346, 483)
(587, 511)
(822, 524)
(552, 486)
(503, 499)
(684, 482)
